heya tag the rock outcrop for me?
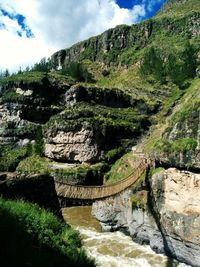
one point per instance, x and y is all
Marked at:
(101, 96)
(73, 146)
(66, 123)
(170, 220)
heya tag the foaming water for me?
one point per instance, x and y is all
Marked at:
(117, 250)
(112, 249)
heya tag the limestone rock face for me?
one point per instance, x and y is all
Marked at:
(177, 202)
(170, 222)
(181, 191)
(113, 212)
(76, 146)
(9, 120)
(14, 130)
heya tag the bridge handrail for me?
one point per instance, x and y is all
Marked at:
(97, 192)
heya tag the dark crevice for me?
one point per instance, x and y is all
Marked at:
(152, 206)
(166, 165)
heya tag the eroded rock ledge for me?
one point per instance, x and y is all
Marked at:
(73, 146)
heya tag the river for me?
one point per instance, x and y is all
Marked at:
(112, 249)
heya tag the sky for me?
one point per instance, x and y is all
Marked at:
(33, 29)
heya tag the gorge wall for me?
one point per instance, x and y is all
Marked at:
(163, 213)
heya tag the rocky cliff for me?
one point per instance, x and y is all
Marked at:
(49, 116)
(120, 44)
(164, 214)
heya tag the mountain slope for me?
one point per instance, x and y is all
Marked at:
(125, 45)
(151, 64)
(175, 8)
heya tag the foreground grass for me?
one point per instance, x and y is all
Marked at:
(31, 236)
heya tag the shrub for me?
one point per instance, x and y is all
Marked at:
(33, 165)
(31, 236)
(175, 61)
(78, 71)
(10, 157)
(180, 145)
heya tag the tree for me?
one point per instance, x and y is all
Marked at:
(78, 71)
(153, 64)
(20, 70)
(6, 73)
(42, 66)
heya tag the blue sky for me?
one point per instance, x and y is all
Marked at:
(32, 29)
(149, 13)
(20, 19)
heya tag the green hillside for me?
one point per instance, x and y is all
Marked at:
(117, 87)
(176, 8)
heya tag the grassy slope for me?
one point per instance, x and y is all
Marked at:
(155, 141)
(178, 9)
(177, 103)
(186, 108)
(31, 236)
(121, 169)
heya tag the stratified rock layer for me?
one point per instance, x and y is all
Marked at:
(72, 146)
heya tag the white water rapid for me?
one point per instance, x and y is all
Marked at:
(112, 249)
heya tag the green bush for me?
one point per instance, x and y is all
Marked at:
(33, 165)
(29, 130)
(10, 95)
(139, 199)
(135, 200)
(153, 63)
(10, 157)
(31, 236)
(78, 71)
(112, 155)
(171, 59)
(180, 145)
(39, 142)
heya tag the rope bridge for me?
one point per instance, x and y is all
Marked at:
(97, 192)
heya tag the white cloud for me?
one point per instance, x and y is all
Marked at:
(57, 25)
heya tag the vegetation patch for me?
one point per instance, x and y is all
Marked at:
(155, 170)
(110, 125)
(171, 59)
(79, 174)
(33, 165)
(35, 237)
(179, 145)
(78, 71)
(10, 157)
(121, 169)
(139, 199)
